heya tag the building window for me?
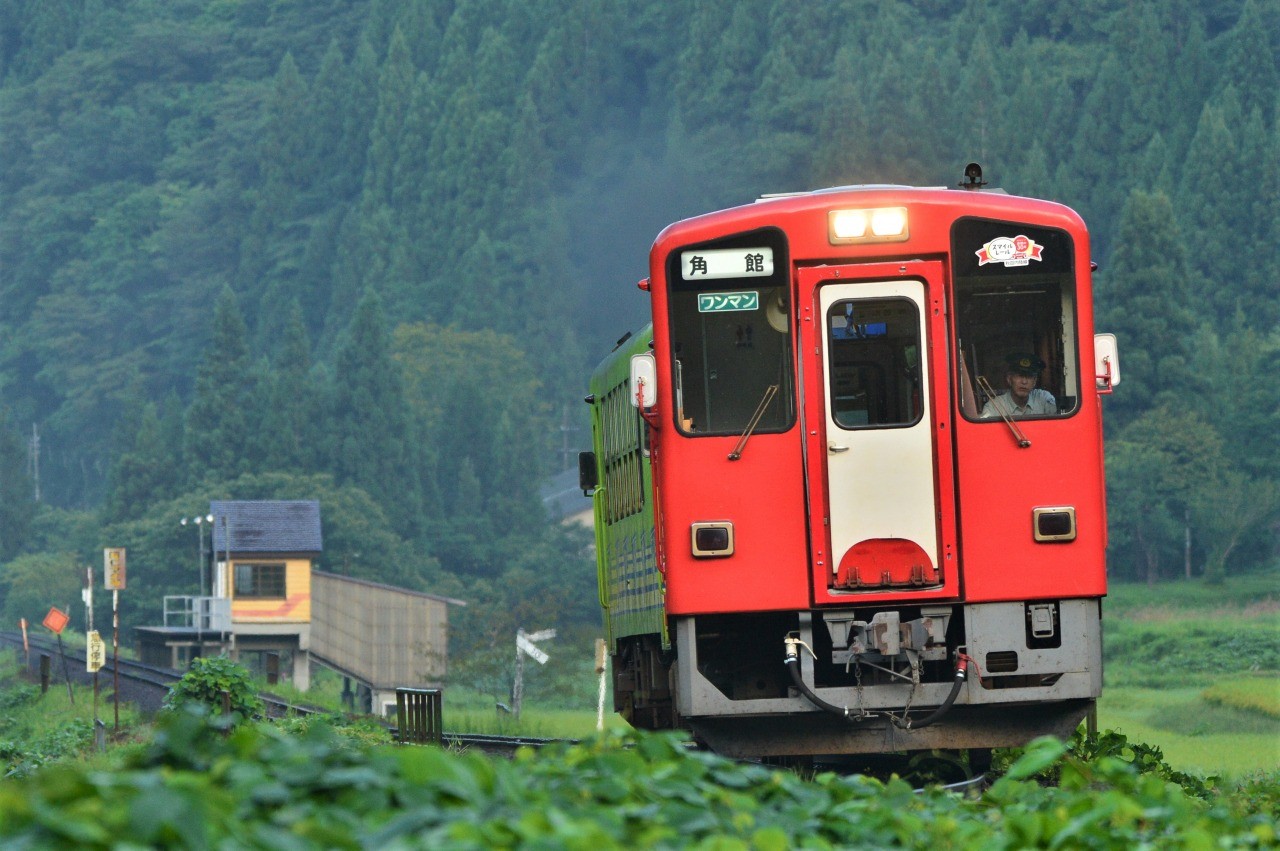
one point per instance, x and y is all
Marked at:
(260, 581)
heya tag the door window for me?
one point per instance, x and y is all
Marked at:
(873, 350)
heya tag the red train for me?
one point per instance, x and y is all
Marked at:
(849, 484)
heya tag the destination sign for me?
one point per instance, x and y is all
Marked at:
(726, 263)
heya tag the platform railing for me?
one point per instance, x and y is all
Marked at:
(208, 614)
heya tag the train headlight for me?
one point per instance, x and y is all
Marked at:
(1054, 524)
(882, 224)
(712, 540)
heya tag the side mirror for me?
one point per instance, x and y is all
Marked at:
(644, 381)
(587, 479)
(1106, 362)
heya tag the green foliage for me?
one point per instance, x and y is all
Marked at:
(194, 203)
(1241, 596)
(1166, 653)
(217, 427)
(30, 584)
(1042, 760)
(216, 682)
(259, 787)
(17, 500)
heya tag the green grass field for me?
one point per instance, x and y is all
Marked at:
(1195, 670)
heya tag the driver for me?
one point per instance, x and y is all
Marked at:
(1023, 399)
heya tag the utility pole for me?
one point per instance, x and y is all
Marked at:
(33, 459)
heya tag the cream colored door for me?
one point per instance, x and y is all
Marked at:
(881, 489)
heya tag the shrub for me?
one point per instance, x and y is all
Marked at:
(210, 681)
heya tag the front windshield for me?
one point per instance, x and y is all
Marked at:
(731, 334)
(1016, 321)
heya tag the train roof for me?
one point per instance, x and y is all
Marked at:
(783, 209)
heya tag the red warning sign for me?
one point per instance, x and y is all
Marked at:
(56, 620)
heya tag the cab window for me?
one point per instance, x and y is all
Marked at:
(731, 334)
(1017, 353)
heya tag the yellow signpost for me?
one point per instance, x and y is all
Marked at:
(95, 655)
(113, 562)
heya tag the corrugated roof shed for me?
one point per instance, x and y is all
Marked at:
(266, 526)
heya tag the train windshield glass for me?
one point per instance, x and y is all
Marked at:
(1016, 320)
(731, 334)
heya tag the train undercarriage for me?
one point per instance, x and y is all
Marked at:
(867, 680)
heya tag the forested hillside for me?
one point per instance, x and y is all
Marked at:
(367, 251)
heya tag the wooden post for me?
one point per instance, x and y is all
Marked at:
(517, 690)
(66, 674)
(602, 665)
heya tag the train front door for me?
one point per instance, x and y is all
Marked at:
(877, 424)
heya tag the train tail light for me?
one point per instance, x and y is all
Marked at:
(882, 224)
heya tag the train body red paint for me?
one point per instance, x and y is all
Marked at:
(835, 495)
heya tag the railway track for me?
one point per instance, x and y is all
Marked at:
(145, 686)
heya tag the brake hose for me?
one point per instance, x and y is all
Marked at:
(792, 661)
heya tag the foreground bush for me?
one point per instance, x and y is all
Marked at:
(212, 679)
(204, 785)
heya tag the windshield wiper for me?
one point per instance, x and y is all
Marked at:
(1004, 415)
(769, 393)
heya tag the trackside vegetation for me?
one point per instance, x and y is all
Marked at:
(198, 778)
(197, 785)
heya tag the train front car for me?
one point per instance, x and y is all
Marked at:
(875, 440)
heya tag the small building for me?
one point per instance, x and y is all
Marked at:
(263, 553)
(259, 608)
(273, 612)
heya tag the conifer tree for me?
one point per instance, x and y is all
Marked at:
(1249, 64)
(1209, 192)
(1095, 166)
(148, 471)
(284, 167)
(216, 439)
(327, 108)
(17, 497)
(289, 427)
(980, 122)
(371, 426)
(395, 93)
(1143, 301)
(358, 108)
(423, 26)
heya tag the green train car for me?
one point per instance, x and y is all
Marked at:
(632, 590)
